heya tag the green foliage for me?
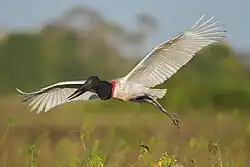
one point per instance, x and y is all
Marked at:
(112, 138)
(33, 156)
(10, 124)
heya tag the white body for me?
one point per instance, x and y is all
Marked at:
(126, 90)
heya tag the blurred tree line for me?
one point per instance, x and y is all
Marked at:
(81, 43)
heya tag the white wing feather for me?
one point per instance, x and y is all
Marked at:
(167, 58)
(54, 95)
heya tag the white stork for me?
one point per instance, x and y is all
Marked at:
(137, 86)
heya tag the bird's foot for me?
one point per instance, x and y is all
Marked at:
(176, 120)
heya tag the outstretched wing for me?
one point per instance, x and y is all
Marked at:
(54, 95)
(167, 58)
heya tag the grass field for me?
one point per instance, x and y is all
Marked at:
(109, 134)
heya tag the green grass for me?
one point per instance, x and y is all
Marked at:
(112, 134)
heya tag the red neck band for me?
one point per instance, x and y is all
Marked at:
(113, 87)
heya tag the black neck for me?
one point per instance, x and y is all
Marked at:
(104, 90)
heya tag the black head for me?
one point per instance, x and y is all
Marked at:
(92, 82)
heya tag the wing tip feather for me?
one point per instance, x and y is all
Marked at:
(21, 92)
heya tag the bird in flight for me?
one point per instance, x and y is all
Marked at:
(138, 85)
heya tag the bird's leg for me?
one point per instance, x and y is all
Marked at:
(173, 116)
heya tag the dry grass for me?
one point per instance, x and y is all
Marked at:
(77, 133)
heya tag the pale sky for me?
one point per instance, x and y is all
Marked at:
(174, 16)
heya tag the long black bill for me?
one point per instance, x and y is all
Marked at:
(84, 88)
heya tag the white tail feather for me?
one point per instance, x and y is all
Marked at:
(159, 93)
